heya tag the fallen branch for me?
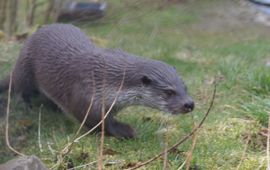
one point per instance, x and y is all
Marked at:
(185, 138)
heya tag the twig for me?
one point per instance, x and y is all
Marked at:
(165, 156)
(39, 125)
(51, 149)
(107, 113)
(7, 119)
(244, 152)
(185, 138)
(83, 166)
(268, 143)
(67, 149)
(194, 140)
(261, 164)
(182, 165)
(100, 159)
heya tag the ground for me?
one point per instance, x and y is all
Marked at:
(203, 40)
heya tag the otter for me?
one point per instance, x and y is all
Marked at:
(60, 62)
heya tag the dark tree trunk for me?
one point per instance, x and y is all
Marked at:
(31, 15)
(13, 7)
(48, 11)
(57, 7)
(3, 12)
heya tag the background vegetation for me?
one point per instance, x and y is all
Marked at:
(202, 39)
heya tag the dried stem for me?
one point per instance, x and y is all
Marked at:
(182, 165)
(7, 119)
(244, 153)
(268, 143)
(68, 147)
(194, 140)
(184, 139)
(76, 139)
(100, 158)
(82, 166)
(165, 156)
(107, 113)
(39, 125)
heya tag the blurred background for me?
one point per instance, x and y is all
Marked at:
(226, 40)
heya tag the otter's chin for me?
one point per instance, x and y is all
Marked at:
(182, 111)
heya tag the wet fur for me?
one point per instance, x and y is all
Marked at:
(60, 62)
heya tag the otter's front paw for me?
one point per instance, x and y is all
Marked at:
(120, 130)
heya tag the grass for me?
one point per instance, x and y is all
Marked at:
(174, 35)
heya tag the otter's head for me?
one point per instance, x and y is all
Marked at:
(163, 89)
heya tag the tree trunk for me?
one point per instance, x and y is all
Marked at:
(13, 7)
(57, 8)
(31, 15)
(48, 11)
(3, 11)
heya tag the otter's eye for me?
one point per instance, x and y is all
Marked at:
(170, 93)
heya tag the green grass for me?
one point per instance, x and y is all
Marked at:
(172, 34)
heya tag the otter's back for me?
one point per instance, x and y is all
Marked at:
(59, 40)
(57, 53)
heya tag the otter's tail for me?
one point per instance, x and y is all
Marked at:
(4, 84)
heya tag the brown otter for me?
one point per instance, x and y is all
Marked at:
(60, 62)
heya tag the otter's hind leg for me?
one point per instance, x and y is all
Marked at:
(23, 79)
(25, 94)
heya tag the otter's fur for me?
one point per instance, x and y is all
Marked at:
(60, 62)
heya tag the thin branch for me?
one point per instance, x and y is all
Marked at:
(39, 125)
(7, 119)
(182, 165)
(165, 156)
(244, 152)
(107, 113)
(185, 138)
(268, 143)
(261, 164)
(100, 158)
(83, 166)
(194, 140)
(68, 147)
(51, 149)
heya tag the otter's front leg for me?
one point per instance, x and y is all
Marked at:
(118, 129)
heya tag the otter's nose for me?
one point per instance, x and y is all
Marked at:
(189, 106)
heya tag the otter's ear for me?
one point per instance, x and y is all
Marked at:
(146, 80)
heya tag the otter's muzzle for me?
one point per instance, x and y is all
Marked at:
(188, 106)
